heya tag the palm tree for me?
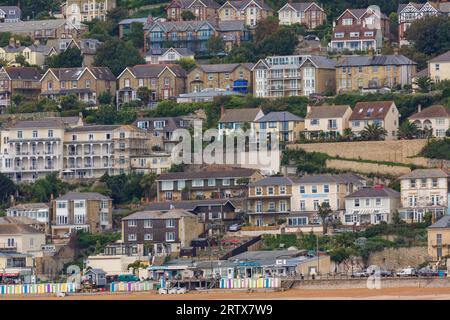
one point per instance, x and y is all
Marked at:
(348, 134)
(324, 212)
(373, 132)
(146, 183)
(408, 130)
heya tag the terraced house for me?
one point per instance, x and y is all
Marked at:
(34, 54)
(87, 211)
(269, 200)
(10, 14)
(285, 76)
(235, 77)
(194, 35)
(32, 149)
(93, 150)
(202, 9)
(382, 113)
(163, 82)
(309, 14)
(206, 184)
(85, 83)
(373, 73)
(360, 29)
(423, 191)
(250, 11)
(19, 80)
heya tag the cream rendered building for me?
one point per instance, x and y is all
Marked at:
(155, 162)
(79, 11)
(329, 119)
(439, 67)
(422, 191)
(436, 118)
(21, 238)
(285, 125)
(31, 149)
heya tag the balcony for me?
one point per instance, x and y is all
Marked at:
(4, 247)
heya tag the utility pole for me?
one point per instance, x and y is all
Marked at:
(317, 252)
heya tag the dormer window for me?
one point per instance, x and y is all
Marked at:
(339, 35)
(347, 22)
(354, 34)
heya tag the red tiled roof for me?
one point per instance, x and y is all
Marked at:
(371, 110)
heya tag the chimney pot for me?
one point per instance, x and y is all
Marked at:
(222, 110)
(419, 108)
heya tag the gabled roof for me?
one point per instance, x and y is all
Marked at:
(242, 4)
(56, 122)
(320, 62)
(374, 193)
(336, 178)
(17, 229)
(279, 116)
(189, 205)
(324, 112)
(436, 111)
(300, 6)
(154, 70)
(417, 6)
(445, 57)
(17, 12)
(33, 25)
(23, 73)
(223, 67)
(425, 173)
(68, 74)
(240, 115)
(371, 110)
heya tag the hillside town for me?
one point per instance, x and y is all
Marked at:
(195, 145)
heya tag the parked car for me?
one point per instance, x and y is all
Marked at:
(360, 274)
(427, 272)
(234, 227)
(386, 273)
(162, 291)
(407, 272)
(311, 37)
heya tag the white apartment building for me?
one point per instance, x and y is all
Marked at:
(79, 11)
(370, 206)
(36, 211)
(310, 191)
(436, 118)
(31, 149)
(297, 75)
(422, 191)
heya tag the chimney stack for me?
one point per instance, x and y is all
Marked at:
(17, 43)
(12, 201)
(308, 109)
(150, 20)
(419, 108)
(36, 42)
(12, 42)
(222, 110)
(51, 197)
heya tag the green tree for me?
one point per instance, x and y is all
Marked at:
(396, 217)
(105, 98)
(373, 132)
(187, 15)
(21, 60)
(143, 93)
(69, 102)
(69, 58)
(7, 189)
(215, 44)
(187, 64)
(430, 35)
(136, 34)
(423, 83)
(324, 214)
(106, 114)
(407, 130)
(117, 55)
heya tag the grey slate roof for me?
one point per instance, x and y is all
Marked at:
(163, 214)
(92, 128)
(17, 12)
(267, 255)
(337, 178)
(445, 57)
(240, 115)
(444, 222)
(273, 181)
(153, 70)
(23, 73)
(189, 205)
(374, 193)
(322, 62)
(29, 206)
(425, 173)
(68, 74)
(279, 116)
(241, 4)
(225, 67)
(301, 6)
(56, 122)
(17, 229)
(32, 25)
(230, 173)
(382, 60)
(321, 112)
(172, 123)
(83, 196)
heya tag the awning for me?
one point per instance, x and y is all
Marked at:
(9, 274)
